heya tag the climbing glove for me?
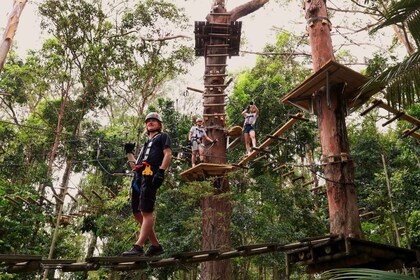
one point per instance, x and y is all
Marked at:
(129, 147)
(158, 178)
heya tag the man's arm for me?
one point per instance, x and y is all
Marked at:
(131, 160)
(167, 157)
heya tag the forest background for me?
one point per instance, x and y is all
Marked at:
(68, 107)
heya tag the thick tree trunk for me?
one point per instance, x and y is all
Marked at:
(331, 112)
(217, 209)
(10, 30)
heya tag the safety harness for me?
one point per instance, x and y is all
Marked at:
(195, 137)
(147, 171)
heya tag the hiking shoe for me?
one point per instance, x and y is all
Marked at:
(154, 251)
(135, 251)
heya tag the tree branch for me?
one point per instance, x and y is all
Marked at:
(246, 9)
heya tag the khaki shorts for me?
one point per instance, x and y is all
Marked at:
(196, 146)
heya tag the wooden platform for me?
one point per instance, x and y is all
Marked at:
(205, 170)
(331, 73)
(230, 32)
(343, 252)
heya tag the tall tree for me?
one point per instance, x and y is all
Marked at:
(331, 112)
(10, 31)
(217, 209)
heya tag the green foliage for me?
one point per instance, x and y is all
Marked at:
(402, 80)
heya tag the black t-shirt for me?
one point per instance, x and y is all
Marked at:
(155, 158)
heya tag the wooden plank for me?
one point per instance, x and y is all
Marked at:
(267, 142)
(203, 170)
(18, 258)
(187, 255)
(120, 259)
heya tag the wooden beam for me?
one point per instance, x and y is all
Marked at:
(97, 194)
(194, 89)
(397, 116)
(406, 117)
(267, 142)
(308, 183)
(11, 199)
(376, 103)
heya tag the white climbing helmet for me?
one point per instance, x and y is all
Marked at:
(153, 115)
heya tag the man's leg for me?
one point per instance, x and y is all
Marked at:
(147, 230)
(152, 237)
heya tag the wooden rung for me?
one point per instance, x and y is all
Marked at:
(263, 150)
(298, 178)
(216, 65)
(215, 75)
(279, 167)
(261, 157)
(11, 199)
(215, 86)
(217, 55)
(194, 89)
(407, 132)
(214, 105)
(397, 116)
(58, 198)
(376, 103)
(288, 173)
(367, 214)
(110, 192)
(276, 137)
(83, 195)
(214, 114)
(46, 199)
(97, 194)
(214, 94)
(298, 118)
(34, 201)
(22, 199)
(308, 183)
(218, 46)
(72, 197)
(316, 188)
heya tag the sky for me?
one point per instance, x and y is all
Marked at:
(258, 29)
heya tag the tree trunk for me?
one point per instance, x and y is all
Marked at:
(217, 210)
(10, 30)
(331, 112)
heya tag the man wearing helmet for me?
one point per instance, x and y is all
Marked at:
(154, 158)
(195, 140)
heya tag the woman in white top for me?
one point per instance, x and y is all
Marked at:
(250, 114)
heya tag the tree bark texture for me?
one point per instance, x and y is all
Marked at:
(10, 30)
(331, 112)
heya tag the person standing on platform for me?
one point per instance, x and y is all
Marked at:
(196, 140)
(250, 114)
(150, 166)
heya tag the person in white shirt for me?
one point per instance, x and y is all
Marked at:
(250, 114)
(195, 140)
